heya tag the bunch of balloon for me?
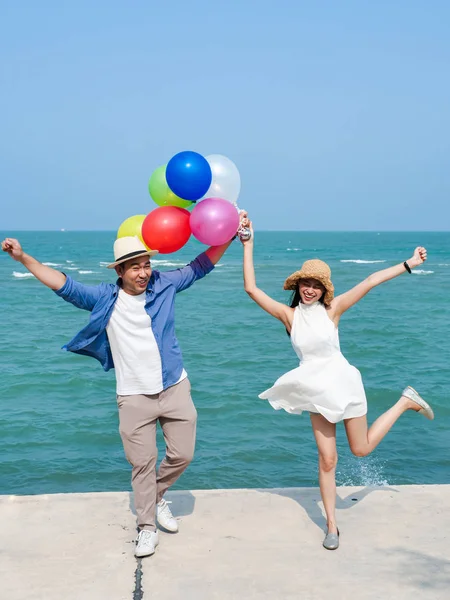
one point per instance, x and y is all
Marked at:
(207, 186)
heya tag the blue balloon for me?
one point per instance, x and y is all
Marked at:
(188, 175)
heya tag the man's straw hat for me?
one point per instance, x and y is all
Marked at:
(129, 247)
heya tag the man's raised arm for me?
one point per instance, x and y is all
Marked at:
(50, 277)
(215, 253)
(80, 295)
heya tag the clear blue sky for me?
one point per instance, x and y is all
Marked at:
(337, 113)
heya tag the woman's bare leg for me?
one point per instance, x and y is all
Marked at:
(363, 440)
(325, 435)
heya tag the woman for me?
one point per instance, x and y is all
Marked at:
(325, 384)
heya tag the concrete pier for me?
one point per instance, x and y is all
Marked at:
(232, 544)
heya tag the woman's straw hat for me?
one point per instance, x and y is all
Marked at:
(313, 269)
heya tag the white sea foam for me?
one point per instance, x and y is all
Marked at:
(71, 268)
(86, 272)
(444, 265)
(362, 262)
(104, 264)
(422, 272)
(368, 472)
(293, 249)
(70, 262)
(22, 275)
(50, 264)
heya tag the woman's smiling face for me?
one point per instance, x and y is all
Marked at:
(310, 290)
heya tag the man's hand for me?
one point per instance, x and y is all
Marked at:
(13, 248)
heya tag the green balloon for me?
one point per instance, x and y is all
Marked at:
(161, 192)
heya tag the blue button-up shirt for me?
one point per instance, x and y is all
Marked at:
(92, 340)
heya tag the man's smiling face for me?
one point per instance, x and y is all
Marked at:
(135, 274)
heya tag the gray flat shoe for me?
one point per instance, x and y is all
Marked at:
(425, 409)
(331, 541)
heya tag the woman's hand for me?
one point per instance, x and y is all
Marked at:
(245, 222)
(243, 219)
(343, 302)
(418, 258)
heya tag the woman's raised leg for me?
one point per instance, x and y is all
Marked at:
(363, 440)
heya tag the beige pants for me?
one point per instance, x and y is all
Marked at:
(138, 416)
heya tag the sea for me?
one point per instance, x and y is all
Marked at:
(58, 412)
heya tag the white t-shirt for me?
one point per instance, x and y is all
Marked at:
(135, 353)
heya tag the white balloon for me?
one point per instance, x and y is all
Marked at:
(226, 181)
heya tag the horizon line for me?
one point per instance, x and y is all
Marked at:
(63, 230)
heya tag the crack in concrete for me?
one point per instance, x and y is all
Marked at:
(138, 592)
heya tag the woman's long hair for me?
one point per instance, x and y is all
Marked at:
(295, 298)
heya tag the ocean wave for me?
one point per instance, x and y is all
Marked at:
(422, 272)
(179, 265)
(71, 268)
(359, 261)
(104, 264)
(86, 272)
(168, 263)
(70, 262)
(444, 265)
(22, 275)
(293, 249)
(50, 264)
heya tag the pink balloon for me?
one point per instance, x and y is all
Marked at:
(214, 221)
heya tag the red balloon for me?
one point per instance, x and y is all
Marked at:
(166, 229)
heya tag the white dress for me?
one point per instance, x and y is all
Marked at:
(325, 382)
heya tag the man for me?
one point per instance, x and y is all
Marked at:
(131, 328)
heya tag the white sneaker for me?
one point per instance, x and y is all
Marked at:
(146, 543)
(165, 517)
